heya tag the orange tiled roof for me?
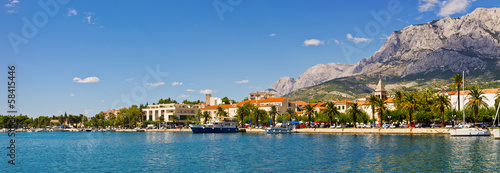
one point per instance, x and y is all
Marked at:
(301, 102)
(279, 99)
(389, 100)
(298, 113)
(345, 101)
(485, 91)
(217, 106)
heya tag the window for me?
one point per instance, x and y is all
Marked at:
(343, 107)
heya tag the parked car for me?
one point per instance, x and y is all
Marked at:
(435, 125)
(418, 125)
(385, 125)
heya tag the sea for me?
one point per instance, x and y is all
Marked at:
(247, 152)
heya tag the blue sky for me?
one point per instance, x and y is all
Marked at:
(91, 56)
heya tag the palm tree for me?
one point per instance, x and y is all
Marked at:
(354, 110)
(380, 108)
(309, 111)
(398, 99)
(205, 116)
(372, 102)
(291, 113)
(273, 113)
(476, 100)
(410, 104)
(442, 102)
(497, 99)
(331, 111)
(257, 113)
(457, 82)
(220, 112)
(174, 119)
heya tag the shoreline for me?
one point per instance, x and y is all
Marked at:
(328, 130)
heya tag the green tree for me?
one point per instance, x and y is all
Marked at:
(441, 103)
(354, 110)
(205, 116)
(225, 100)
(398, 99)
(380, 108)
(198, 114)
(476, 100)
(309, 111)
(457, 80)
(372, 100)
(221, 112)
(291, 114)
(331, 111)
(258, 114)
(410, 105)
(273, 113)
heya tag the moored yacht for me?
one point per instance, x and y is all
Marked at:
(220, 126)
(280, 128)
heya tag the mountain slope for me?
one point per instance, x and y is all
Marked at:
(470, 43)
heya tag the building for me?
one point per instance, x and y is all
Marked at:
(380, 90)
(343, 105)
(490, 95)
(181, 111)
(210, 101)
(114, 111)
(260, 96)
(281, 104)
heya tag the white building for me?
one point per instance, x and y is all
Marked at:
(181, 111)
(211, 101)
(490, 95)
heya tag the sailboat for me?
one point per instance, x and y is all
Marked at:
(464, 131)
(495, 131)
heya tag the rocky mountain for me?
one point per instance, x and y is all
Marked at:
(470, 43)
(314, 75)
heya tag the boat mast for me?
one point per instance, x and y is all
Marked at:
(463, 91)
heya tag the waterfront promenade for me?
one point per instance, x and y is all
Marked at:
(328, 130)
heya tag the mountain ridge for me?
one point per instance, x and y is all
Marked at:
(469, 43)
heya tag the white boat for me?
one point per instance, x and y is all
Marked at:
(58, 129)
(280, 129)
(468, 131)
(496, 132)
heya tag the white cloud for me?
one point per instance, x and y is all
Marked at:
(208, 91)
(156, 84)
(254, 87)
(72, 12)
(71, 94)
(12, 6)
(272, 35)
(88, 111)
(176, 83)
(453, 6)
(129, 79)
(102, 101)
(313, 42)
(242, 81)
(336, 42)
(183, 96)
(446, 7)
(86, 80)
(358, 39)
(190, 90)
(419, 17)
(427, 5)
(89, 17)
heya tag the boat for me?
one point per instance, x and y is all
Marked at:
(58, 129)
(495, 131)
(221, 126)
(110, 130)
(468, 131)
(280, 128)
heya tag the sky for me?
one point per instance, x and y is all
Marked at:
(83, 57)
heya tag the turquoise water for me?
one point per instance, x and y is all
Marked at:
(247, 152)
